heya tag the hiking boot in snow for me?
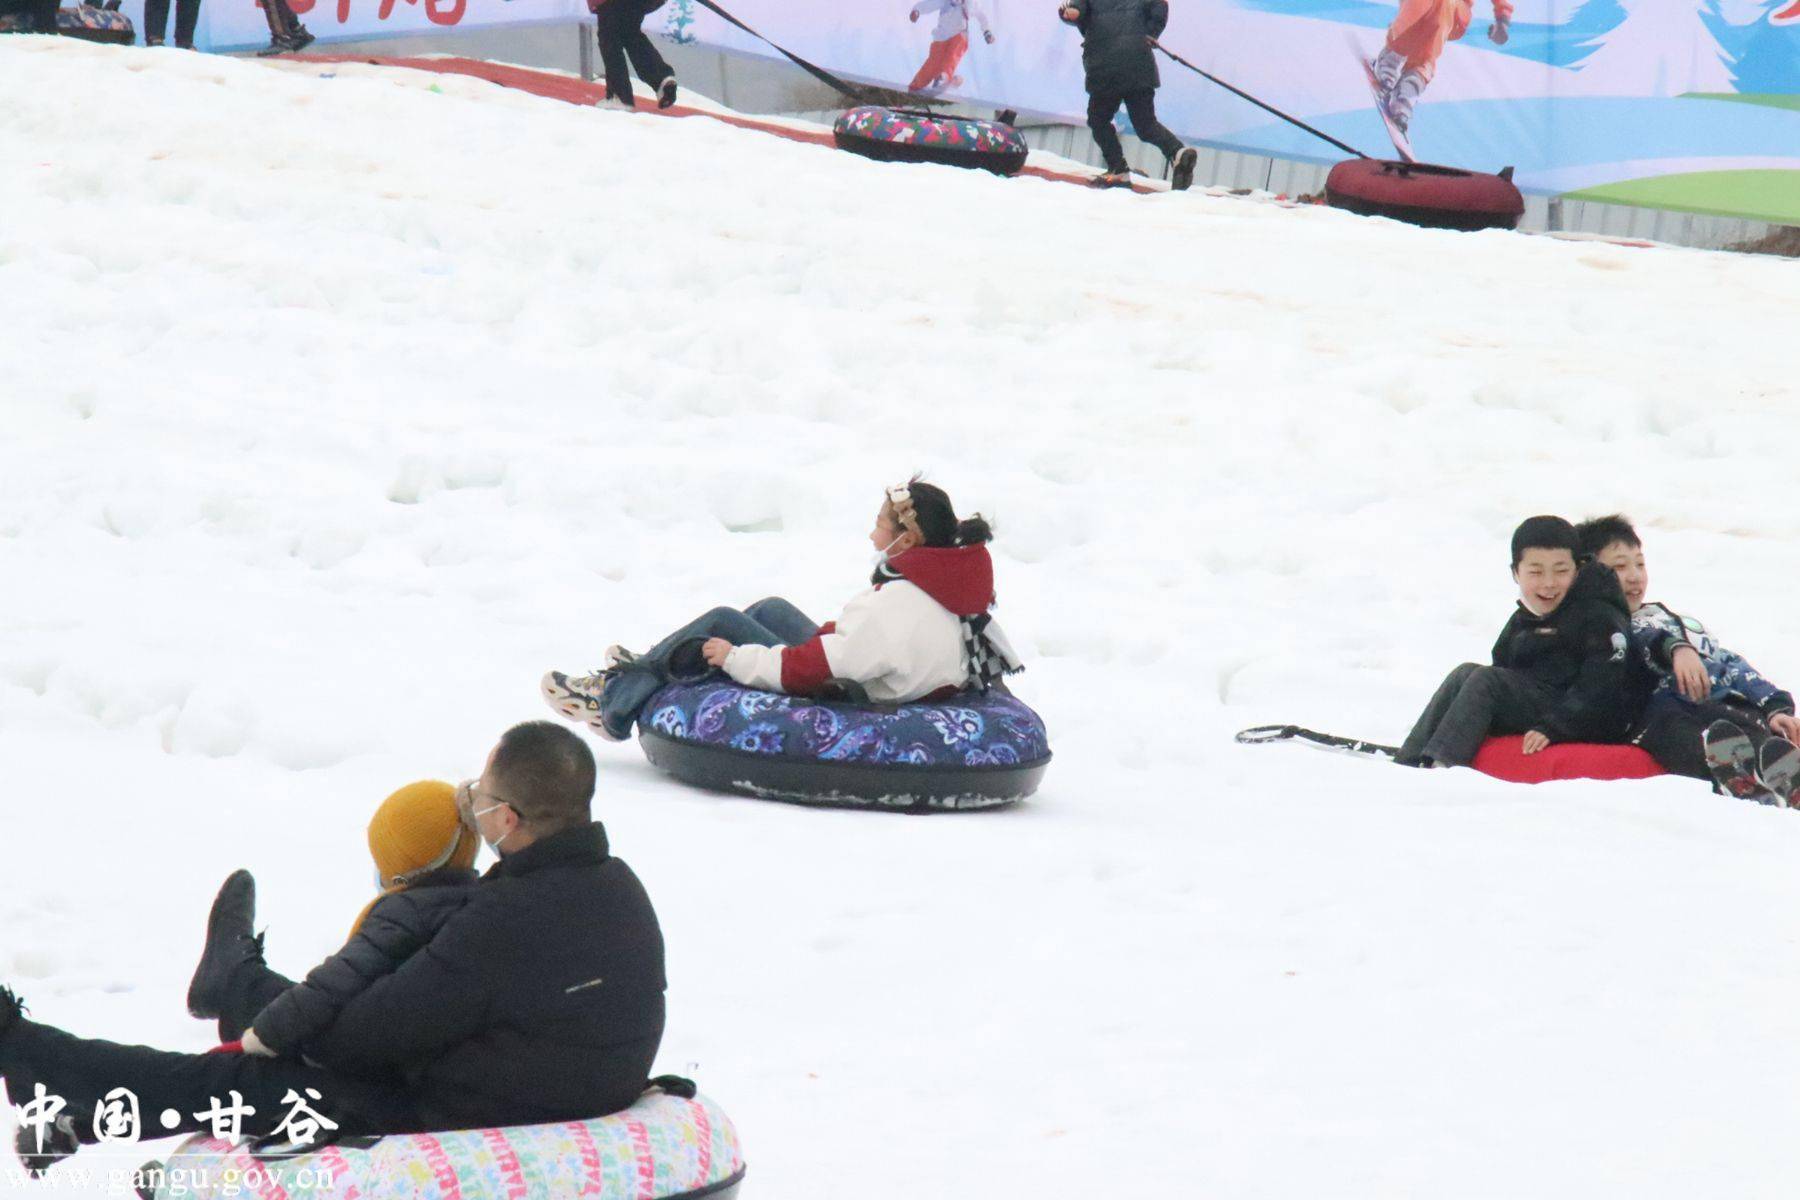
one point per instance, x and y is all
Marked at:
(230, 943)
(41, 1147)
(1405, 96)
(1184, 163)
(665, 93)
(1111, 179)
(1778, 769)
(577, 697)
(299, 40)
(1731, 759)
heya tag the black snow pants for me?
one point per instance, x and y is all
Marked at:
(1474, 703)
(156, 21)
(1672, 732)
(1140, 106)
(82, 1071)
(41, 12)
(621, 34)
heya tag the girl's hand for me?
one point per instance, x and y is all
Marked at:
(1690, 674)
(714, 651)
(1787, 725)
(1535, 741)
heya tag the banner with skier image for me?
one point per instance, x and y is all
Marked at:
(1685, 104)
(240, 24)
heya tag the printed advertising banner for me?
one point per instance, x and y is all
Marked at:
(240, 25)
(1687, 104)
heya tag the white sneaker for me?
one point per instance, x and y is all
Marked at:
(665, 95)
(577, 698)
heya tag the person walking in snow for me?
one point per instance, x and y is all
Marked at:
(949, 42)
(922, 630)
(619, 29)
(1120, 69)
(539, 999)
(1415, 40)
(156, 22)
(286, 34)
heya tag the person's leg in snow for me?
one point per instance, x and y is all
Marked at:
(609, 701)
(613, 18)
(187, 18)
(1102, 107)
(1673, 733)
(81, 1072)
(1473, 703)
(649, 64)
(1141, 108)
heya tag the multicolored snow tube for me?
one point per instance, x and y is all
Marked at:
(969, 751)
(1505, 758)
(908, 135)
(661, 1148)
(1423, 194)
(86, 22)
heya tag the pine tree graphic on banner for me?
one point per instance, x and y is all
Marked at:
(1661, 48)
(679, 26)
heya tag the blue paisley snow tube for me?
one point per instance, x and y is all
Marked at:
(969, 751)
(907, 135)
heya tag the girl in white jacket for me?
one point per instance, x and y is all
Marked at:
(922, 630)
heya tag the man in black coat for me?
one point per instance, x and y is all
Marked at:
(540, 999)
(619, 31)
(1120, 66)
(1560, 668)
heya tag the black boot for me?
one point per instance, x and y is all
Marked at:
(230, 942)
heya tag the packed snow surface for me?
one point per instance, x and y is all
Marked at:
(337, 407)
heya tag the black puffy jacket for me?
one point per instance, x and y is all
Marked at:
(1115, 43)
(1582, 653)
(540, 999)
(393, 931)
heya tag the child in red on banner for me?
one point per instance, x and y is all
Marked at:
(949, 41)
(1415, 41)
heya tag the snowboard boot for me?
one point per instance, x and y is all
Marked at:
(230, 943)
(577, 697)
(1403, 99)
(1732, 760)
(1184, 162)
(1386, 68)
(1778, 768)
(41, 1147)
(665, 93)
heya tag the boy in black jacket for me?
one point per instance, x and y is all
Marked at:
(1560, 670)
(1120, 66)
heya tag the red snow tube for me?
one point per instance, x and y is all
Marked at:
(1423, 194)
(1504, 758)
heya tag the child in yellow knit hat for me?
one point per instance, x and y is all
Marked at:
(424, 857)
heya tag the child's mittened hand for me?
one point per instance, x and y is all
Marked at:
(1497, 33)
(1690, 674)
(1535, 741)
(714, 651)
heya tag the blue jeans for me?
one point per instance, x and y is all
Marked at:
(771, 622)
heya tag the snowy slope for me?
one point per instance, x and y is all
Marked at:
(336, 410)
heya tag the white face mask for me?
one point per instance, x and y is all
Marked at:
(482, 812)
(881, 555)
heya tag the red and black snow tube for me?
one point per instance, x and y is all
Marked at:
(1424, 194)
(1504, 758)
(909, 135)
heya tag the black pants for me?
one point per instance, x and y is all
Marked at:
(1673, 729)
(41, 12)
(1140, 106)
(621, 34)
(1472, 704)
(156, 20)
(83, 1070)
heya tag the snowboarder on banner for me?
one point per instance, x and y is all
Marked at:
(1120, 65)
(1415, 41)
(949, 42)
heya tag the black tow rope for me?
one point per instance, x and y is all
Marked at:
(850, 90)
(1239, 92)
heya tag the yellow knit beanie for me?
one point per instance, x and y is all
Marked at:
(416, 830)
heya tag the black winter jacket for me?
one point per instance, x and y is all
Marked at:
(1115, 43)
(1581, 652)
(540, 999)
(393, 931)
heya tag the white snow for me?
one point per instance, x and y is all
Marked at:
(335, 410)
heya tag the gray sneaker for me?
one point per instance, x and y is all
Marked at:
(577, 697)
